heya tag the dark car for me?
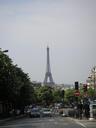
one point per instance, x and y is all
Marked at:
(35, 112)
(46, 112)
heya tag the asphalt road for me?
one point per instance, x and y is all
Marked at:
(53, 122)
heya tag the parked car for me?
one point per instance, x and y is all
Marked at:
(35, 112)
(27, 109)
(46, 112)
(15, 112)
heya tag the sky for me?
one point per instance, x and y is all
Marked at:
(68, 27)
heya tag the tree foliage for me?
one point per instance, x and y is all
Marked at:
(15, 85)
(57, 93)
(45, 95)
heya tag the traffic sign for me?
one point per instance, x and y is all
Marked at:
(77, 93)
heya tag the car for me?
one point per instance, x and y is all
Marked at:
(35, 112)
(64, 114)
(46, 112)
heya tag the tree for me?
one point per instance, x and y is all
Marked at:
(91, 92)
(5, 66)
(57, 93)
(44, 95)
(27, 95)
(69, 96)
(14, 84)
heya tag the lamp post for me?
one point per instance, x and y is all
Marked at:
(4, 50)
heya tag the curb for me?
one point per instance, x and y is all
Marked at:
(81, 120)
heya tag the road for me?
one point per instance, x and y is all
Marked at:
(53, 122)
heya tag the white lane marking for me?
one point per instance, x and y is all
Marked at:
(78, 122)
(81, 124)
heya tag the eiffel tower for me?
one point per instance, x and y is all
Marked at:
(48, 73)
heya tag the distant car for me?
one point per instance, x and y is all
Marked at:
(64, 115)
(46, 112)
(15, 112)
(27, 111)
(35, 112)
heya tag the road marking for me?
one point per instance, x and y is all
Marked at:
(80, 124)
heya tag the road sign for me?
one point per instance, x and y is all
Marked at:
(77, 93)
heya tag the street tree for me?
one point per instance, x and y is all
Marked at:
(14, 84)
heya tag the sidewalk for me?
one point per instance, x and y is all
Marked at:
(2, 121)
(83, 119)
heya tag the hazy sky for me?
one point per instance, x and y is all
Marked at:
(67, 26)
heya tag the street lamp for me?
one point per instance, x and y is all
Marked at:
(5, 51)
